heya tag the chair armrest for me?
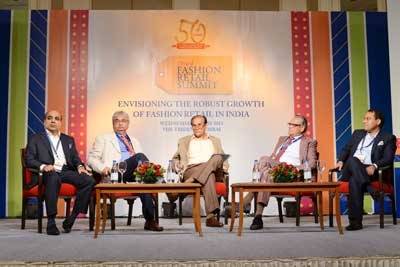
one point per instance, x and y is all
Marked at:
(380, 174)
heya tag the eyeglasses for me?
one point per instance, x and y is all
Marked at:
(123, 121)
(293, 124)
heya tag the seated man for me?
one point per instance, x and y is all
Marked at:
(54, 153)
(359, 160)
(199, 160)
(295, 149)
(118, 146)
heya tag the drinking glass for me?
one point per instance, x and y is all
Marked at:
(122, 169)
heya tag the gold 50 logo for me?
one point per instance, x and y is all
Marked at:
(191, 35)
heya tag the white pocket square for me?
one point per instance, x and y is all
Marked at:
(69, 146)
(380, 143)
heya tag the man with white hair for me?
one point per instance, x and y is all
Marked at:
(119, 146)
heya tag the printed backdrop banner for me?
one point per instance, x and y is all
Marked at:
(164, 67)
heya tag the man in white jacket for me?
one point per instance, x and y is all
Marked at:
(119, 146)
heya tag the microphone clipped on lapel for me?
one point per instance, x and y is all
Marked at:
(380, 143)
(70, 146)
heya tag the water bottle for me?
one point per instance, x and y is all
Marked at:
(307, 172)
(114, 172)
(256, 173)
(170, 173)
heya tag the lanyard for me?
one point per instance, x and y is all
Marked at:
(362, 143)
(286, 144)
(54, 149)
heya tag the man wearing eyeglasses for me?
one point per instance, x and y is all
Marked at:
(200, 159)
(359, 160)
(295, 149)
(119, 146)
(54, 154)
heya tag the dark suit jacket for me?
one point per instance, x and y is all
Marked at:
(383, 148)
(38, 152)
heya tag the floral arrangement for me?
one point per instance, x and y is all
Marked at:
(149, 173)
(285, 173)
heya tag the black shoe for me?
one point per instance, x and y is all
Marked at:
(354, 227)
(375, 195)
(67, 226)
(257, 223)
(52, 229)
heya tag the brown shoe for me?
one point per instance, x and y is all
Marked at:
(213, 222)
(151, 225)
(172, 197)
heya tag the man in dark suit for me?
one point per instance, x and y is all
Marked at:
(54, 153)
(359, 160)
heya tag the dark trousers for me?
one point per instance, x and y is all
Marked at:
(53, 180)
(355, 172)
(147, 200)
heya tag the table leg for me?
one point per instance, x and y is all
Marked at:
(194, 212)
(337, 211)
(320, 210)
(240, 212)
(97, 213)
(233, 209)
(198, 211)
(103, 225)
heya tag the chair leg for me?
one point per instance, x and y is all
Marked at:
(23, 215)
(331, 196)
(112, 212)
(156, 209)
(180, 200)
(40, 214)
(92, 205)
(298, 198)
(68, 208)
(394, 212)
(130, 205)
(315, 205)
(279, 199)
(219, 211)
(225, 216)
(381, 211)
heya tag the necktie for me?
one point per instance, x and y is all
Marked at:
(128, 145)
(283, 148)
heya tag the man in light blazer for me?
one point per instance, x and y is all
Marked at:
(119, 146)
(295, 149)
(55, 155)
(367, 150)
(200, 159)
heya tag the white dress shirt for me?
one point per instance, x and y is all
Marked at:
(200, 150)
(364, 149)
(292, 152)
(57, 150)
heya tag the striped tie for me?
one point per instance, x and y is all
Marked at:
(285, 145)
(128, 145)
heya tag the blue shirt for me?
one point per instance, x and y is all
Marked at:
(124, 150)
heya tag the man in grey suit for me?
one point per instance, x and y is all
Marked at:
(199, 158)
(295, 149)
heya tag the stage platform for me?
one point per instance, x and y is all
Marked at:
(275, 245)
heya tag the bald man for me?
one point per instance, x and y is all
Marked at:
(55, 155)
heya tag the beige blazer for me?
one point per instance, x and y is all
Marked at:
(183, 148)
(308, 150)
(105, 149)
